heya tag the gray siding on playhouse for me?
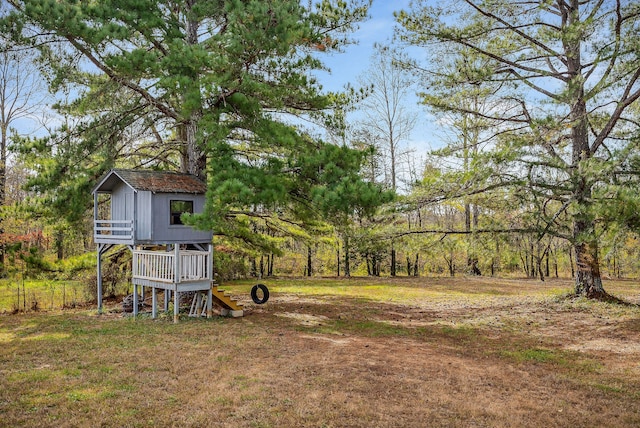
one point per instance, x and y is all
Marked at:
(141, 200)
(144, 217)
(163, 232)
(122, 202)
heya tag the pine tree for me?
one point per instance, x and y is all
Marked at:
(207, 87)
(567, 74)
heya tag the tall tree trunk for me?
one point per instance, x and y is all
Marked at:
(471, 219)
(467, 217)
(573, 270)
(495, 260)
(262, 266)
(374, 265)
(532, 271)
(194, 157)
(3, 188)
(524, 259)
(451, 264)
(392, 151)
(588, 280)
(475, 260)
(309, 267)
(393, 259)
(467, 220)
(347, 265)
(547, 263)
(59, 243)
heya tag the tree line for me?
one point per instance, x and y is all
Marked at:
(538, 101)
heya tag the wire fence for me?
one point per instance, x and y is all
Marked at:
(26, 295)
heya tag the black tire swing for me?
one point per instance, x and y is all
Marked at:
(254, 294)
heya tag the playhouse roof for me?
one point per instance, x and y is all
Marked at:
(154, 181)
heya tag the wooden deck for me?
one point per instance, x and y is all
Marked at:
(178, 270)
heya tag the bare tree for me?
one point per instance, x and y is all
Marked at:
(386, 117)
(21, 95)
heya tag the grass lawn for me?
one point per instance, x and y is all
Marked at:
(30, 294)
(337, 353)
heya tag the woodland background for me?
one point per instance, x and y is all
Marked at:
(537, 103)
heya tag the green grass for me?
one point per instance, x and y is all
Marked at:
(460, 332)
(536, 355)
(403, 289)
(319, 353)
(365, 328)
(56, 294)
(33, 294)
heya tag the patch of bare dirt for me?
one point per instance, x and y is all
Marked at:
(455, 367)
(489, 354)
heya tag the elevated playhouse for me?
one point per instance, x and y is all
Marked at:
(142, 210)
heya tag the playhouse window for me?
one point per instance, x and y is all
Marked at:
(178, 208)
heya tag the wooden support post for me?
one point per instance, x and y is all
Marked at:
(176, 306)
(154, 303)
(210, 278)
(167, 298)
(176, 263)
(176, 280)
(209, 303)
(135, 300)
(210, 263)
(99, 279)
(102, 249)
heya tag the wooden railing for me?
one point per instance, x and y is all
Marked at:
(194, 265)
(113, 230)
(164, 267)
(154, 265)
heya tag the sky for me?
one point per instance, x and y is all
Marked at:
(354, 61)
(346, 67)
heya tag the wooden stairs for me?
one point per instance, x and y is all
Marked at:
(230, 307)
(224, 300)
